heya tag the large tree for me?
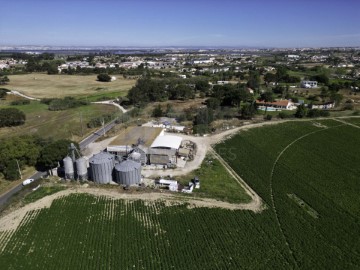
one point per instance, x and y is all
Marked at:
(301, 111)
(4, 80)
(267, 97)
(24, 149)
(103, 77)
(54, 152)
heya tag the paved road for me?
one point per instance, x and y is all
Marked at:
(5, 197)
(97, 134)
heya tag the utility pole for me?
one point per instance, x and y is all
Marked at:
(103, 125)
(17, 162)
(81, 123)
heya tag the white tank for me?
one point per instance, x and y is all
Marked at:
(81, 168)
(69, 168)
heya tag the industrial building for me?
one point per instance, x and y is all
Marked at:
(146, 145)
(133, 137)
(164, 150)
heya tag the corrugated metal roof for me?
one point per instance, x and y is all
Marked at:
(159, 159)
(167, 141)
(127, 166)
(159, 151)
(101, 158)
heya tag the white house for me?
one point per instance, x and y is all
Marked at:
(308, 84)
(324, 106)
(276, 105)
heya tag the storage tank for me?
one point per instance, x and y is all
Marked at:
(128, 172)
(81, 168)
(69, 168)
(101, 167)
(135, 156)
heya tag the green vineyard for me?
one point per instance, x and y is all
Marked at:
(307, 173)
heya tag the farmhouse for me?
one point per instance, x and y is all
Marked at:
(308, 84)
(276, 105)
(324, 106)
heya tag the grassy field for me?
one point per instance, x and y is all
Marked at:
(41, 192)
(56, 124)
(306, 173)
(46, 86)
(216, 183)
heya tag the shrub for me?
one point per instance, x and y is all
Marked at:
(11, 117)
(283, 115)
(317, 113)
(20, 102)
(66, 103)
(103, 77)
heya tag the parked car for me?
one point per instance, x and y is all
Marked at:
(28, 181)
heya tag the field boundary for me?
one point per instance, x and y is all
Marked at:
(256, 203)
(346, 123)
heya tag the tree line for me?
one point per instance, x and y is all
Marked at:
(149, 90)
(27, 150)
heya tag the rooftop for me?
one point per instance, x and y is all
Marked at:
(167, 141)
(131, 135)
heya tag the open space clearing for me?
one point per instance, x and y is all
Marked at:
(57, 124)
(40, 85)
(316, 227)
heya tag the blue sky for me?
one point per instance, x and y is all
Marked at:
(274, 23)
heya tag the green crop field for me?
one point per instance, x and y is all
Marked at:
(47, 86)
(306, 172)
(309, 177)
(85, 232)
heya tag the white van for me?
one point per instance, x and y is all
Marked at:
(28, 181)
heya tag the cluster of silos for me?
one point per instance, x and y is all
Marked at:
(81, 172)
(101, 167)
(128, 173)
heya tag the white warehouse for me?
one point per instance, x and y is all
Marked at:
(164, 149)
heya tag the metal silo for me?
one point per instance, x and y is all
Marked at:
(69, 168)
(128, 172)
(81, 168)
(101, 166)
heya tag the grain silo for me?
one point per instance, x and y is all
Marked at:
(101, 166)
(128, 173)
(69, 168)
(81, 168)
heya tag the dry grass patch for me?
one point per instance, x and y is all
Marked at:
(46, 86)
